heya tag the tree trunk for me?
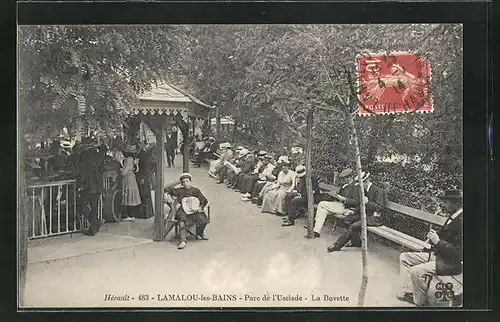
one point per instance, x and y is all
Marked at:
(217, 123)
(283, 138)
(160, 152)
(23, 222)
(235, 129)
(364, 233)
(185, 148)
(310, 197)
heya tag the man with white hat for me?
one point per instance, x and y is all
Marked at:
(191, 203)
(374, 205)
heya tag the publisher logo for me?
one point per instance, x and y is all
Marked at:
(444, 291)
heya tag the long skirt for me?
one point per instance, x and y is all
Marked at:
(213, 166)
(130, 191)
(273, 201)
(268, 186)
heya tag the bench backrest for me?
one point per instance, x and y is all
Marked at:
(409, 211)
(401, 209)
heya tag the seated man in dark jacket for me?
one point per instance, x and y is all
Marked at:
(374, 205)
(445, 257)
(186, 214)
(249, 180)
(298, 198)
(248, 163)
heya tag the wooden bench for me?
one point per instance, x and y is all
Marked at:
(401, 238)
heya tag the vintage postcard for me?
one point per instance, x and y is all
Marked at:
(209, 166)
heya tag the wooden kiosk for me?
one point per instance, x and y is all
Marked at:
(159, 108)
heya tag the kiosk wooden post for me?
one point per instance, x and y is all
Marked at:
(157, 108)
(185, 148)
(160, 152)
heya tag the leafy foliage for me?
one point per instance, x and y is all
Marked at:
(267, 77)
(106, 65)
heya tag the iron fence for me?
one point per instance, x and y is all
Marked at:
(53, 209)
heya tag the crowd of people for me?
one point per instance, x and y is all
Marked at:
(278, 187)
(274, 183)
(87, 161)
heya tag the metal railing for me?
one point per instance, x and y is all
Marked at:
(53, 209)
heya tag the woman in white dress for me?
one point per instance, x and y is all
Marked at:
(273, 199)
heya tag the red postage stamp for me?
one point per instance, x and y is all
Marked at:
(393, 83)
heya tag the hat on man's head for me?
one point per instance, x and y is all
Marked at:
(262, 153)
(65, 144)
(185, 175)
(130, 148)
(283, 158)
(268, 157)
(452, 194)
(364, 176)
(244, 152)
(345, 173)
(212, 139)
(239, 148)
(300, 170)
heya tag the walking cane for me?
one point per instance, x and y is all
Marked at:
(429, 278)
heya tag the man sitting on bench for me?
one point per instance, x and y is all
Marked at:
(343, 200)
(443, 258)
(374, 205)
(190, 212)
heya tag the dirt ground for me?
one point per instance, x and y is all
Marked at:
(249, 261)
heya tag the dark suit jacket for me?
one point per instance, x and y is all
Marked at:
(302, 187)
(375, 202)
(171, 143)
(213, 147)
(449, 248)
(351, 193)
(276, 170)
(248, 164)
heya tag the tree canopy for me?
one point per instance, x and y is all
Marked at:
(265, 77)
(107, 66)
